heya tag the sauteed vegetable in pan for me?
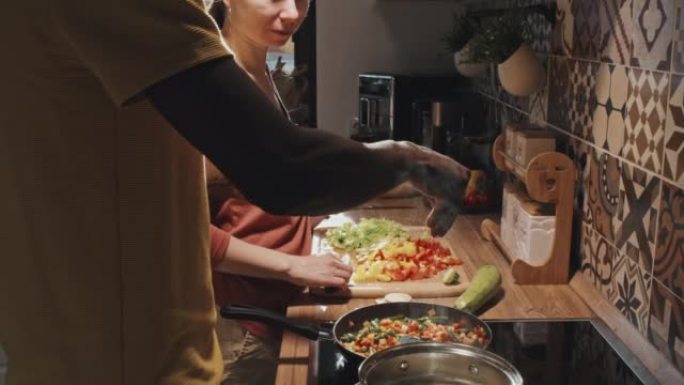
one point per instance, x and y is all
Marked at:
(361, 331)
(381, 333)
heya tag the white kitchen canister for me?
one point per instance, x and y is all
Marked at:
(525, 231)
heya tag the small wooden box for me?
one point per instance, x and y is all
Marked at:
(530, 143)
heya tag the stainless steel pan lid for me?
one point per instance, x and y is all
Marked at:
(429, 363)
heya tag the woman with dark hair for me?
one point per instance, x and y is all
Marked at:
(250, 349)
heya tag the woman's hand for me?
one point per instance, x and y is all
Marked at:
(244, 258)
(318, 270)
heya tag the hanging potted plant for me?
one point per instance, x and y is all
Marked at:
(500, 40)
(456, 42)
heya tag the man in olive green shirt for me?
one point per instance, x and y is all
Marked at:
(105, 109)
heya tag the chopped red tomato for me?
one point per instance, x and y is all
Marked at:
(407, 260)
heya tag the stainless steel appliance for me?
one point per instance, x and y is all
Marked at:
(434, 363)
(386, 103)
(562, 352)
(463, 113)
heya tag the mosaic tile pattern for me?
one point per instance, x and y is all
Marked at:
(608, 122)
(539, 101)
(630, 293)
(652, 33)
(598, 260)
(673, 166)
(666, 326)
(636, 216)
(511, 115)
(563, 29)
(578, 151)
(519, 102)
(615, 30)
(559, 93)
(586, 37)
(621, 203)
(678, 38)
(582, 97)
(645, 118)
(602, 193)
(610, 89)
(669, 260)
(539, 30)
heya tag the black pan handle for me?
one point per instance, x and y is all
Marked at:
(274, 319)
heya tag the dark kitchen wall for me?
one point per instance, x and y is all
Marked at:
(614, 93)
(374, 36)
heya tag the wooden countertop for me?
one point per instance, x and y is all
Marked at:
(514, 302)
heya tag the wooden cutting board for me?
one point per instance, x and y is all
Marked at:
(422, 288)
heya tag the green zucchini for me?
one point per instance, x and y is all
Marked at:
(484, 286)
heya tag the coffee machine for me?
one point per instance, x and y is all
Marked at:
(387, 104)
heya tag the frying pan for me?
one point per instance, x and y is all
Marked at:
(353, 320)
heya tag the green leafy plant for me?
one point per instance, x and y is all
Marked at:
(497, 39)
(462, 30)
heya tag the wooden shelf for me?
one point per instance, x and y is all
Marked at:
(549, 178)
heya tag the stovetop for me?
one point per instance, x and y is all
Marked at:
(574, 352)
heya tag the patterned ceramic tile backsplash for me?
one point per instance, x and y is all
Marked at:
(630, 291)
(652, 22)
(586, 39)
(615, 31)
(669, 257)
(673, 166)
(608, 126)
(602, 193)
(615, 94)
(678, 38)
(636, 216)
(583, 99)
(666, 328)
(560, 92)
(647, 94)
(598, 259)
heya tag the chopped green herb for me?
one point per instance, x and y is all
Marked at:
(365, 236)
